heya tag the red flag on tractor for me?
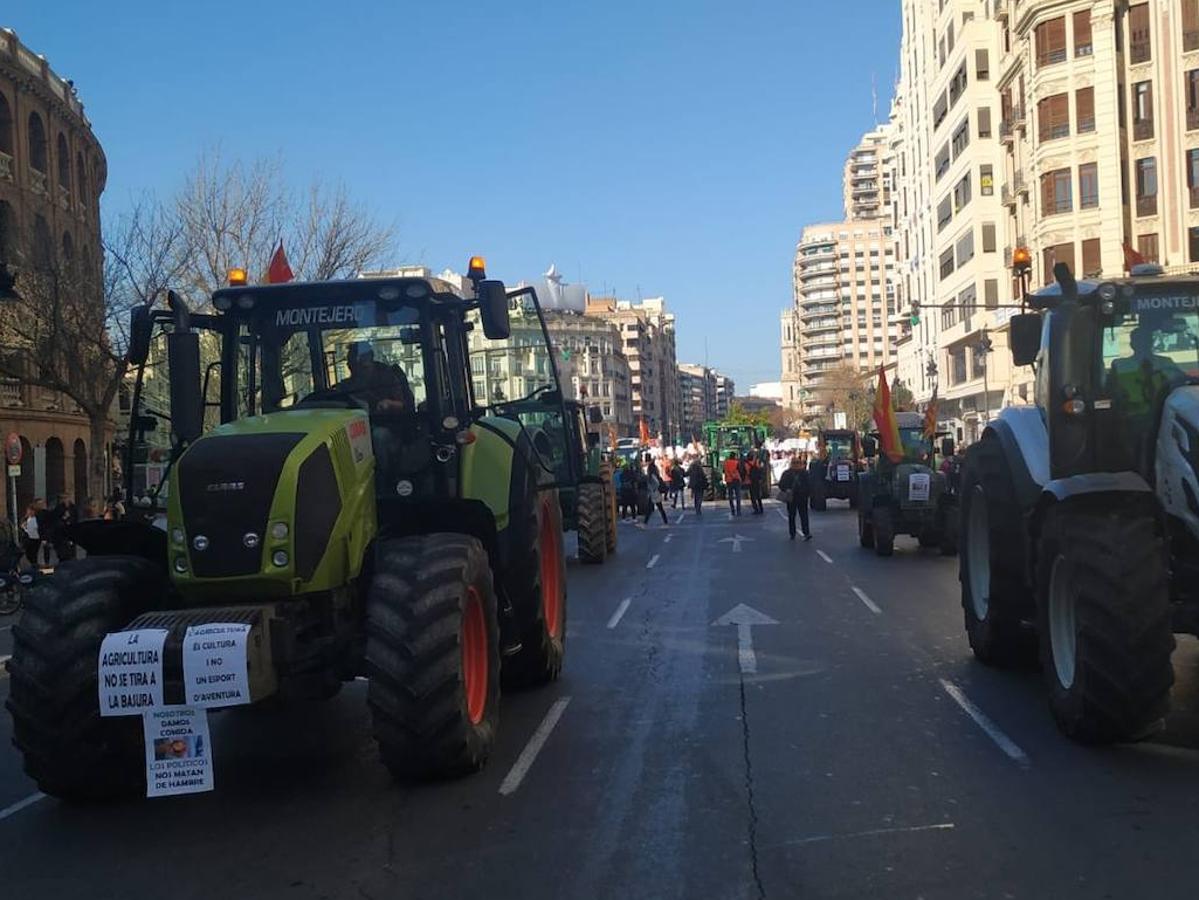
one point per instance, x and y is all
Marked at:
(884, 420)
(279, 271)
(930, 416)
(1131, 257)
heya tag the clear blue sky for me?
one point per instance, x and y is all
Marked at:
(674, 147)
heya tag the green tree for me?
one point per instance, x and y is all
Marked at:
(739, 415)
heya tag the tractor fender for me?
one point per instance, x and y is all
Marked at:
(1024, 439)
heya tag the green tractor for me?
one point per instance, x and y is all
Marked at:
(720, 440)
(355, 510)
(908, 496)
(584, 474)
(836, 468)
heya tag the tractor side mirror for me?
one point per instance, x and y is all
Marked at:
(595, 415)
(869, 447)
(1025, 335)
(947, 447)
(140, 325)
(187, 406)
(493, 309)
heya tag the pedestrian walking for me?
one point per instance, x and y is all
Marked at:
(628, 491)
(677, 484)
(757, 480)
(697, 481)
(795, 489)
(655, 490)
(31, 530)
(732, 483)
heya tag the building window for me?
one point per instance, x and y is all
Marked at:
(957, 359)
(949, 315)
(961, 137)
(37, 144)
(1056, 196)
(1088, 186)
(6, 127)
(982, 64)
(1147, 247)
(988, 237)
(940, 111)
(958, 85)
(961, 193)
(1193, 177)
(1051, 42)
(986, 180)
(1190, 25)
(1082, 33)
(1192, 91)
(1084, 109)
(1091, 267)
(944, 212)
(1059, 253)
(942, 161)
(1146, 170)
(1193, 244)
(984, 121)
(1053, 117)
(946, 263)
(965, 248)
(1139, 50)
(1142, 111)
(991, 293)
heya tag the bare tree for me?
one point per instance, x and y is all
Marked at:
(844, 389)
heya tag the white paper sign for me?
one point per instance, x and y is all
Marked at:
(215, 671)
(918, 484)
(178, 751)
(359, 433)
(131, 671)
(843, 473)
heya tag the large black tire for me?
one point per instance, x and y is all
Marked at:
(540, 600)
(1104, 620)
(865, 530)
(70, 750)
(995, 598)
(432, 655)
(591, 511)
(853, 495)
(947, 525)
(883, 517)
(610, 512)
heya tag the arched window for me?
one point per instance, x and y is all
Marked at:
(63, 161)
(6, 129)
(68, 249)
(43, 244)
(80, 463)
(8, 234)
(37, 144)
(56, 471)
(81, 177)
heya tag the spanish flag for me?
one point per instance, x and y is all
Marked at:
(930, 416)
(884, 420)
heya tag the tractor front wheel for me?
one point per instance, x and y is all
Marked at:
(432, 655)
(884, 530)
(591, 511)
(70, 750)
(540, 599)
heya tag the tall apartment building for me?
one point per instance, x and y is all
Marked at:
(948, 211)
(697, 399)
(726, 390)
(647, 340)
(866, 182)
(1100, 124)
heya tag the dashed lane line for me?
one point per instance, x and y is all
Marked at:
(781, 514)
(620, 611)
(666, 540)
(20, 805)
(828, 559)
(679, 520)
(653, 560)
(870, 604)
(1005, 743)
(528, 756)
(873, 832)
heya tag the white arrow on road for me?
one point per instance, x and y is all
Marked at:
(735, 540)
(745, 618)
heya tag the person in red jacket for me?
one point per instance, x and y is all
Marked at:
(732, 483)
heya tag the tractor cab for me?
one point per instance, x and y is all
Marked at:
(836, 466)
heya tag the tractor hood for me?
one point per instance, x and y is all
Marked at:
(251, 488)
(1177, 457)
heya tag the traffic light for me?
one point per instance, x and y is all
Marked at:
(915, 317)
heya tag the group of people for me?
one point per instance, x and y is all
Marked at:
(746, 473)
(658, 483)
(43, 534)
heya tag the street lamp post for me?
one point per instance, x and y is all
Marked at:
(983, 349)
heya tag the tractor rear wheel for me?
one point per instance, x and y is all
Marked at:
(883, 518)
(1104, 619)
(591, 511)
(540, 597)
(991, 565)
(610, 512)
(432, 655)
(70, 750)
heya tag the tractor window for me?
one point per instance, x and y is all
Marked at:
(915, 444)
(1145, 354)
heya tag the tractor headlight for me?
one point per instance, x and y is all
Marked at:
(181, 564)
(177, 535)
(279, 558)
(279, 531)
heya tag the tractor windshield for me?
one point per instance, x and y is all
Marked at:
(1151, 349)
(915, 445)
(839, 447)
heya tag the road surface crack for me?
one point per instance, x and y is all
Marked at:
(749, 796)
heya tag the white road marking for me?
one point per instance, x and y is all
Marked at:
(745, 617)
(679, 520)
(870, 604)
(20, 805)
(735, 540)
(782, 515)
(653, 560)
(620, 611)
(668, 537)
(828, 559)
(817, 838)
(1005, 743)
(524, 762)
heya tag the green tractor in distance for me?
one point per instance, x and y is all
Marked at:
(584, 475)
(907, 497)
(720, 440)
(356, 510)
(836, 467)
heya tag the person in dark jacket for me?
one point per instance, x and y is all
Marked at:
(756, 473)
(798, 488)
(677, 478)
(697, 480)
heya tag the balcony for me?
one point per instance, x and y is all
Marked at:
(817, 309)
(1142, 130)
(5, 167)
(820, 326)
(811, 271)
(1147, 206)
(10, 393)
(38, 181)
(1139, 51)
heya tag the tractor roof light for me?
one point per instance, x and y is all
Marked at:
(238, 277)
(1021, 259)
(477, 268)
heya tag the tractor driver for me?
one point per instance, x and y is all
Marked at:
(1141, 379)
(384, 387)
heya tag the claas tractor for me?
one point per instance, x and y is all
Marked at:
(352, 506)
(1080, 514)
(835, 468)
(906, 493)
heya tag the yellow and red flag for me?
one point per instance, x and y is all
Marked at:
(644, 432)
(279, 270)
(884, 420)
(930, 416)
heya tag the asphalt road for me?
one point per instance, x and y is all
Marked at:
(848, 746)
